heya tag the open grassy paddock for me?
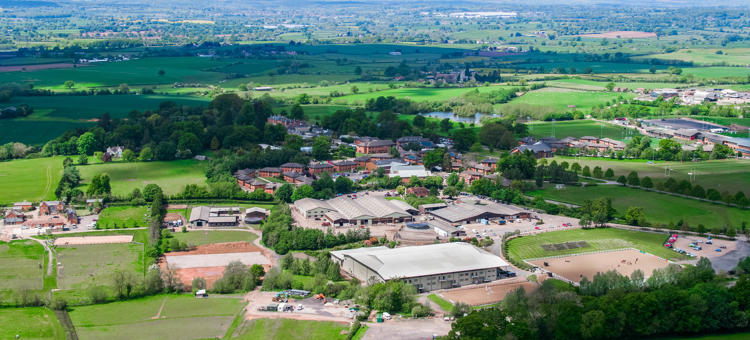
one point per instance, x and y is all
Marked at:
(35, 131)
(29, 179)
(157, 317)
(37, 323)
(171, 176)
(122, 217)
(723, 175)
(560, 99)
(199, 237)
(528, 247)
(658, 208)
(579, 128)
(21, 265)
(87, 265)
(290, 329)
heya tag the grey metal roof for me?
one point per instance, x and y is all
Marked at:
(199, 213)
(425, 260)
(467, 211)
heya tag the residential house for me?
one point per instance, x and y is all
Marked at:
(23, 206)
(490, 163)
(51, 207)
(539, 149)
(269, 172)
(13, 217)
(319, 168)
(469, 176)
(345, 166)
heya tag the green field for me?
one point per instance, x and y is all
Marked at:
(289, 329)
(731, 336)
(171, 176)
(198, 237)
(579, 128)
(181, 317)
(30, 323)
(529, 247)
(35, 132)
(717, 72)
(443, 303)
(560, 99)
(133, 72)
(29, 179)
(707, 56)
(63, 108)
(723, 175)
(87, 265)
(658, 208)
(21, 265)
(122, 217)
(415, 94)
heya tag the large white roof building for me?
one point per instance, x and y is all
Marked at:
(430, 267)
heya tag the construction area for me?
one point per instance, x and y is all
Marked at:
(625, 262)
(262, 304)
(208, 261)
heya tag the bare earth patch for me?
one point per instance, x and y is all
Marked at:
(625, 262)
(67, 241)
(488, 293)
(208, 261)
(37, 67)
(621, 34)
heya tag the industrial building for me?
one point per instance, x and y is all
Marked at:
(429, 267)
(203, 216)
(352, 210)
(464, 213)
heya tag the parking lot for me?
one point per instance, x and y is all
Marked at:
(312, 309)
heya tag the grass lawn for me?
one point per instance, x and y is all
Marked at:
(706, 56)
(171, 176)
(122, 217)
(181, 317)
(198, 237)
(723, 175)
(87, 265)
(288, 329)
(29, 179)
(416, 94)
(21, 265)
(528, 247)
(579, 128)
(658, 208)
(444, 304)
(717, 72)
(30, 323)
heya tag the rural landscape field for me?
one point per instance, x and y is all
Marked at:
(374, 169)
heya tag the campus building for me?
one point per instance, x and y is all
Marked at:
(464, 213)
(429, 267)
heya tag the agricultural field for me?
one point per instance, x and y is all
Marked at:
(79, 108)
(29, 179)
(35, 132)
(723, 175)
(200, 237)
(658, 208)
(133, 72)
(528, 247)
(122, 217)
(290, 329)
(579, 128)
(707, 56)
(157, 317)
(593, 85)
(37, 323)
(21, 265)
(718, 72)
(171, 176)
(415, 94)
(89, 265)
(560, 99)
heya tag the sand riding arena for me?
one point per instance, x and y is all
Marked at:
(208, 261)
(624, 261)
(81, 240)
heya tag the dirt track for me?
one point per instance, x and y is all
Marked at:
(625, 262)
(486, 293)
(219, 248)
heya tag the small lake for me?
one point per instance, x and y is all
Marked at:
(460, 119)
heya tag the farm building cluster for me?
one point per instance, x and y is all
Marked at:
(46, 214)
(217, 217)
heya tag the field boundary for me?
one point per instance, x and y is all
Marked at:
(67, 324)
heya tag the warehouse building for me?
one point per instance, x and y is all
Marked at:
(464, 213)
(203, 216)
(430, 267)
(352, 210)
